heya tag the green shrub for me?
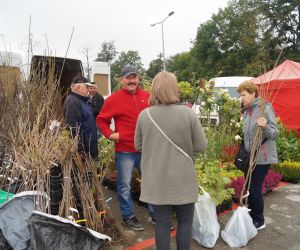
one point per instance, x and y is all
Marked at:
(106, 155)
(218, 138)
(210, 178)
(229, 109)
(230, 171)
(288, 144)
(290, 170)
(185, 91)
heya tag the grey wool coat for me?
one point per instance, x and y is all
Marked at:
(168, 176)
(267, 153)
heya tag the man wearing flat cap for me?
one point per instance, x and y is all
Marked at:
(124, 107)
(79, 117)
(80, 121)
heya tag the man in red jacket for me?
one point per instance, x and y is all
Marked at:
(124, 107)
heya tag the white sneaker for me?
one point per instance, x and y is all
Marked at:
(259, 226)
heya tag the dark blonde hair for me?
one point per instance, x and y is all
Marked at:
(164, 89)
(250, 87)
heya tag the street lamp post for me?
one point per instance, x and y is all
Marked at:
(162, 36)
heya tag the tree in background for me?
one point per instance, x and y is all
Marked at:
(88, 68)
(180, 64)
(155, 66)
(246, 38)
(225, 44)
(108, 52)
(281, 23)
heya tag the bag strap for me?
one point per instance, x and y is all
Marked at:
(163, 133)
(262, 142)
(202, 189)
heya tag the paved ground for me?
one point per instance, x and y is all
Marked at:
(282, 213)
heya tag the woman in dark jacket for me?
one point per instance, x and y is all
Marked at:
(267, 154)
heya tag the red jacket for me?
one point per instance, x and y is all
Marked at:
(125, 109)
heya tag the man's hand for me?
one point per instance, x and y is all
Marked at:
(114, 137)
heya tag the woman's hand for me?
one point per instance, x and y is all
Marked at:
(262, 122)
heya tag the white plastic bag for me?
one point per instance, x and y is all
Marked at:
(239, 229)
(205, 224)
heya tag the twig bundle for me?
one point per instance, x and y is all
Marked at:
(30, 147)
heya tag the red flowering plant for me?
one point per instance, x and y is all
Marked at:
(272, 179)
(228, 153)
(270, 182)
(237, 185)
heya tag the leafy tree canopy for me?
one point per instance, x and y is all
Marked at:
(108, 52)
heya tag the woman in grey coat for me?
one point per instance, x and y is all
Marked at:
(267, 154)
(169, 180)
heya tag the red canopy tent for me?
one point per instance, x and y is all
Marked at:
(281, 86)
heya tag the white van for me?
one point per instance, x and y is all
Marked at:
(230, 83)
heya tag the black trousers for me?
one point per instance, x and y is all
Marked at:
(56, 189)
(256, 200)
(163, 216)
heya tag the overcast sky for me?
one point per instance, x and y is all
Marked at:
(95, 21)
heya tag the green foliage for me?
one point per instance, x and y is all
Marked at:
(290, 170)
(108, 52)
(128, 58)
(246, 38)
(218, 137)
(229, 109)
(229, 170)
(180, 64)
(229, 130)
(146, 83)
(106, 154)
(288, 144)
(155, 66)
(185, 91)
(281, 26)
(205, 52)
(207, 99)
(209, 177)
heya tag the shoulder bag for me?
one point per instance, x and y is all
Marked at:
(242, 157)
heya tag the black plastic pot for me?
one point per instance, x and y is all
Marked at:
(220, 209)
(228, 205)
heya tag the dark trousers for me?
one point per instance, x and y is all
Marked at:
(56, 189)
(256, 200)
(163, 216)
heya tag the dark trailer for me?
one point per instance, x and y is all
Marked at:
(63, 70)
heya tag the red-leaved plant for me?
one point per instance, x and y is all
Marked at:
(228, 153)
(272, 179)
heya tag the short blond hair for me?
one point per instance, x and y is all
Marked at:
(164, 89)
(250, 87)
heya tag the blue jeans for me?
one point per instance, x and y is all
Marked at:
(184, 215)
(256, 200)
(125, 163)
